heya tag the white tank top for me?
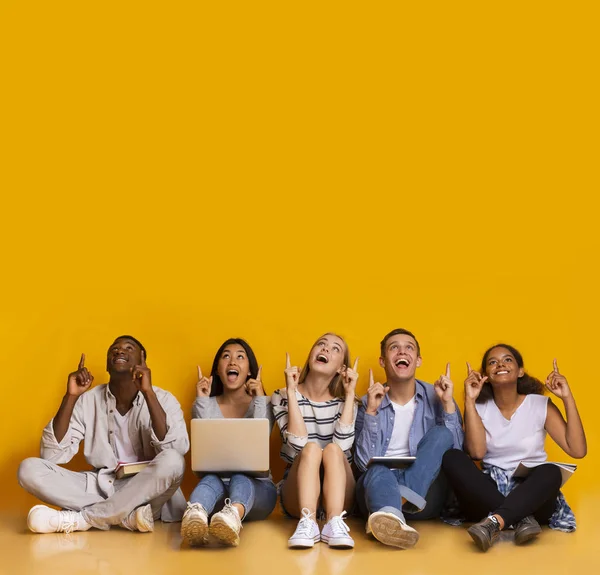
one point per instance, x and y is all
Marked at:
(520, 438)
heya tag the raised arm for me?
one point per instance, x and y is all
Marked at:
(78, 383)
(349, 380)
(143, 379)
(475, 442)
(368, 439)
(295, 421)
(450, 414)
(569, 434)
(201, 405)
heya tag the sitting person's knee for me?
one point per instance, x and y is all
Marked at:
(332, 452)
(28, 471)
(552, 473)
(376, 470)
(452, 457)
(171, 463)
(443, 437)
(311, 451)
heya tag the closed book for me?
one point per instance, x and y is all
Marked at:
(130, 469)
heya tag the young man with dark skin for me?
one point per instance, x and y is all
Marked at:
(404, 417)
(126, 420)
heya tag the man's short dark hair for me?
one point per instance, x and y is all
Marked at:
(139, 343)
(399, 331)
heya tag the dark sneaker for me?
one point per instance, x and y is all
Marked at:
(485, 533)
(526, 530)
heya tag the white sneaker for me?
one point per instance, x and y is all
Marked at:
(391, 530)
(140, 519)
(225, 525)
(336, 532)
(307, 533)
(194, 525)
(43, 519)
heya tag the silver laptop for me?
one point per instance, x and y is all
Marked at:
(225, 446)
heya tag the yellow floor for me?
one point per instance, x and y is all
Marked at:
(441, 549)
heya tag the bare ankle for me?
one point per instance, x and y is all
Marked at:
(239, 508)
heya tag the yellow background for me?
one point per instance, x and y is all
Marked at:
(189, 171)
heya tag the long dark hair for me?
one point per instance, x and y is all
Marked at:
(525, 384)
(217, 384)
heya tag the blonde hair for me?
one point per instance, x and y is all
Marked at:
(336, 386)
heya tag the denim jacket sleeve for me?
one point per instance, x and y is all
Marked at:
(453, 421)
(368, 438)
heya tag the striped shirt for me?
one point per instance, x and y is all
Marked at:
(322, 420)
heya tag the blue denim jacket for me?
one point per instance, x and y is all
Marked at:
(374, 432)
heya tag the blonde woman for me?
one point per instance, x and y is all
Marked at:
(316, 413)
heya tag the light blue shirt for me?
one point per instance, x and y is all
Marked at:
(374, 432)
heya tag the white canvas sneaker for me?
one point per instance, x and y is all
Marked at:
(194, 525)
(307, 532)
(43, 519)
(225, 525)
(140, 519)
(336, 533)
(391, 530)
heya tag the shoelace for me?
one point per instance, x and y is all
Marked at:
(68, 522)
(195, 506)
(229, 510)
(338, 523)
(491, 527)
(305, 525)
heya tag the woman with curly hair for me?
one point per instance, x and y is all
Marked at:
(506, 421)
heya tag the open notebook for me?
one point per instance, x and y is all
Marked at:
(566, 469)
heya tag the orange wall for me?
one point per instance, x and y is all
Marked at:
(187, 172)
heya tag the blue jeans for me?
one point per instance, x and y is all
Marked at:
(258, 496)
(382, 489)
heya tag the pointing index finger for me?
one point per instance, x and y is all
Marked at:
(355, 367)
(259, 372)
(556, 366)
(143, 358)
(199, 372)
(448, 370)
(371, 380)
(82, 361)
(287, 360)
(469, 368)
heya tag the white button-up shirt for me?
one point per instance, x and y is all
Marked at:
(93, 421)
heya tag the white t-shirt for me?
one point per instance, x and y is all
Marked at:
(520, 438)
(404, 416)
(125, 452)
